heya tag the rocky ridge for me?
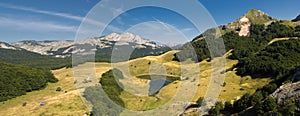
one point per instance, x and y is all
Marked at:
(66, 48)
(7, 46)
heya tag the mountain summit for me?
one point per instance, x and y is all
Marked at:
(254, 16)
(258, 17)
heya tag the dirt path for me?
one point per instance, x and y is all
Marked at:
(281, 39)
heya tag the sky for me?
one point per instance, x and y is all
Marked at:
(60, 19)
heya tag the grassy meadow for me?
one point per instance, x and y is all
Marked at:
(68, 100)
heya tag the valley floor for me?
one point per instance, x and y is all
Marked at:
(68, 100)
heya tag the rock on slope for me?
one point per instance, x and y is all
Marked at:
(287, 91)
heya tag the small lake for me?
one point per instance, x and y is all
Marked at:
(157, 82)
(156, 85)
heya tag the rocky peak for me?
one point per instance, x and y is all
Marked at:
(125, 37)
(245, 26)
(254, 16)
(255, 12)
(258, 17)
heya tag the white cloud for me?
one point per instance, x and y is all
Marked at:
(159, 32)
(187, 29)
(65, 15)
(117, 11)
(37, 26)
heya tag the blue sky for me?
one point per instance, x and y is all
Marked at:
(60, 19)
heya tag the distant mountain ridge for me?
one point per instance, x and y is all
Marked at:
(7, 46)
(101, 48)
(66, 48)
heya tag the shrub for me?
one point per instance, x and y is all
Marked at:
(224, 84)
(24, 104)
(200, 101)
(58, 89)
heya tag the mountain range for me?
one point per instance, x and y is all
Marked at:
(68, 47)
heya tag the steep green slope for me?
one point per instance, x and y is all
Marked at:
(271, 50)
(254, 49)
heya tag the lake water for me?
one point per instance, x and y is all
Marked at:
(156, 85)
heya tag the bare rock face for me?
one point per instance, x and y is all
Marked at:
(287, 91)
(245, 26)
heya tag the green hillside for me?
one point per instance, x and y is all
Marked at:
(271, 51)
(253, 52)
(16, 80)
(23, 57)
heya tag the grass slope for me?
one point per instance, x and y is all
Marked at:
(70, 103)
(235, 85)
(58, 103)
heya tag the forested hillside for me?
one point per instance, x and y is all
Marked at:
(16, 80)
(270, 51)
(23, 71)
(23, 57)
(121, 53)
(253, 52)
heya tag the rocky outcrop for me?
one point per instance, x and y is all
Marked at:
(287, 91)
(245, 26)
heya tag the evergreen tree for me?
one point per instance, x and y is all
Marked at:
(269, 104)
(256, 97)
(288, 108)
